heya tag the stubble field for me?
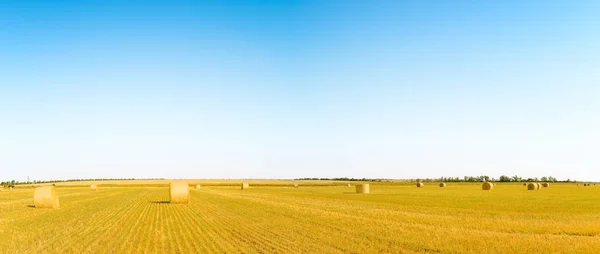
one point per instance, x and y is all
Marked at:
(318, 217)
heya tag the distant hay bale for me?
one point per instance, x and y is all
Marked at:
(45, 197)
(419, 185)
(442, 185)
(362, 188)
(539, 185)
(180, 192)
(487, 186)
(533, 186)
(197, 186)
(524, 184)
(93, 186)
(545, 185)
(348, 185)
(295, 185)
(245, 186)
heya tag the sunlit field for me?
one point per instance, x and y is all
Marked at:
(317, 217)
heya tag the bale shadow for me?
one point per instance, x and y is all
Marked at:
(160, 202)
(31, 206)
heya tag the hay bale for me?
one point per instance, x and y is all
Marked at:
(348, 185)
(442, 185)
(524, 184)
(245, 186)
(362, 188)
(179, 192)
(45, 197)
(545, 185)
(93, 186)
(534, 186)
(197, 186)
(487, 186)
(419, 185)
(295, 185)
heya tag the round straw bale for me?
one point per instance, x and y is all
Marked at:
(348, 185)
(545, 185)
(180, 192)
(533, 186)
(524, 184)
(487, 186)
(93, 186)
(419, 185)
(245, 186)
(197, 186)
(45, 197)
(295, 185)
(442, 185)
(362, 188)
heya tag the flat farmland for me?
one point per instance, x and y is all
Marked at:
(314, 218)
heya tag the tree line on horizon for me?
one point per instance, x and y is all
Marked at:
(483, 178)
(12, 183)
(502, 178)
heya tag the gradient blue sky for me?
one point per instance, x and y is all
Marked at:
(282, 89)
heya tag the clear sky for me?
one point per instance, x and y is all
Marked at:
(283, 89)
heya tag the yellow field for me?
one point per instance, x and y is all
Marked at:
(395, 217)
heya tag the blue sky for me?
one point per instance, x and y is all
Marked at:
(283, 89)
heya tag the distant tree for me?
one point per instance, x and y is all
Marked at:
(504, 178)
(544, 179)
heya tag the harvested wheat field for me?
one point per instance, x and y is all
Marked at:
(318, 218)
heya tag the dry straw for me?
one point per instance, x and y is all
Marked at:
(45, 197)
(534, 186)
(442, 185)
(545, 185)
(419, 185)
(295, 185)
(245, 186)
(362, 188)
(180, 192)
(348, 185)
(93, 186)
(487, 186)
(197, 186)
